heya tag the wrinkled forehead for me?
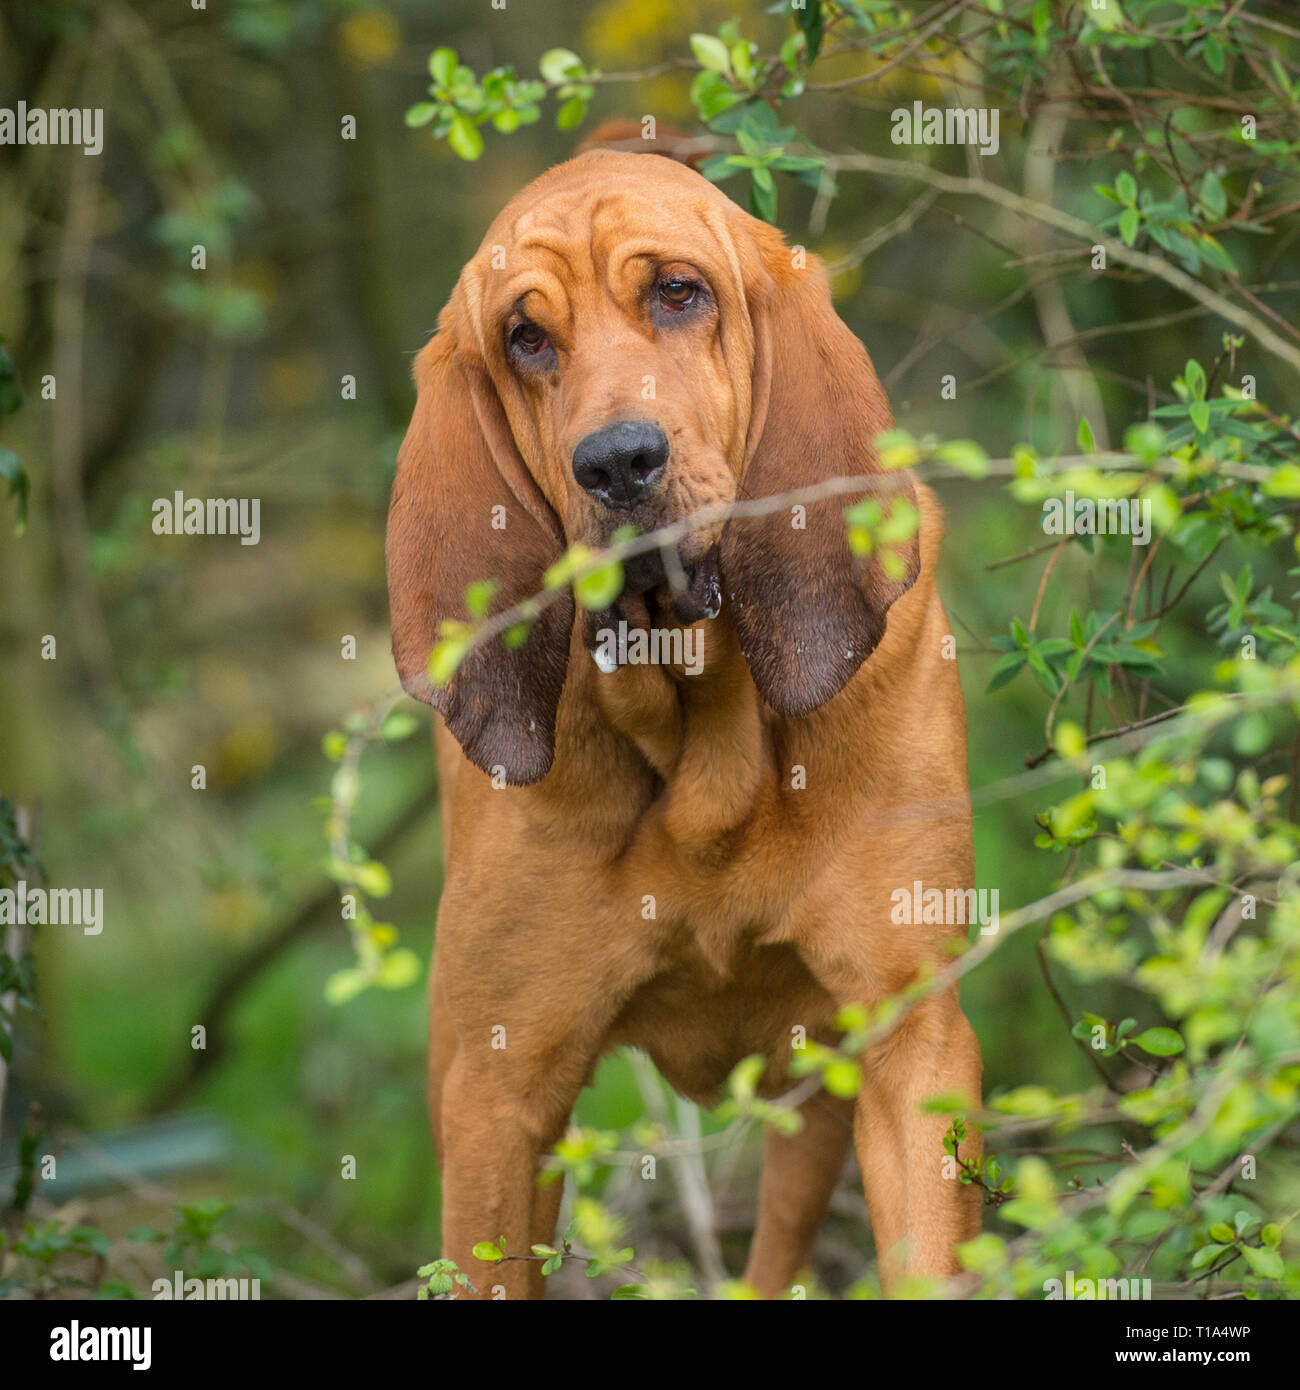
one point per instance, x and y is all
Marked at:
(592, 228)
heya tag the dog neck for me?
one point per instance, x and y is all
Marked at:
(699, 730)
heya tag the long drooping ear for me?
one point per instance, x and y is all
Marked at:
(806, 611)
(465, 508)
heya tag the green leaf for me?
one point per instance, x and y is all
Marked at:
(373, 879)
(1129, 223)
(488, 1251)
(1068, 739)
(964, 455)
(713, 96)
(811, 21)
(558, 64)
(399, 724)
(421, 113)
(465, 138)
(399, 970)
(1108, 16)
(1194, 376)
(1126, 187)
(1215, 254)
(1284, 481)
(445, 659)
(842, 1078)
(1160, 1042)
(1264, 1261)
(442, 65)
(1146, 440)
(571, 114)
(599, 588)
(479, 595)
(896, 449)
(344, 985)
(717, 168)
(762, 196)
(711, 53)
(1212, 194)
(1005, 671)
(516, 634)
(1252, 734)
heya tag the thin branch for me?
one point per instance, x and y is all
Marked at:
(1084, 231)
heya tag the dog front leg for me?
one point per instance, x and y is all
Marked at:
(919, 1211)
(492, 1148)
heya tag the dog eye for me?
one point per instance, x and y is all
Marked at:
(677, 294)
(528, 337)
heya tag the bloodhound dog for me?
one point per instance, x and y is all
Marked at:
(695, 858)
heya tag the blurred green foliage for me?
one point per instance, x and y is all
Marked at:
(1141, 1035)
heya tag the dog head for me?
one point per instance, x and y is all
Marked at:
(628, 347)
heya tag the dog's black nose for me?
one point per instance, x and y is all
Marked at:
(620, 464)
